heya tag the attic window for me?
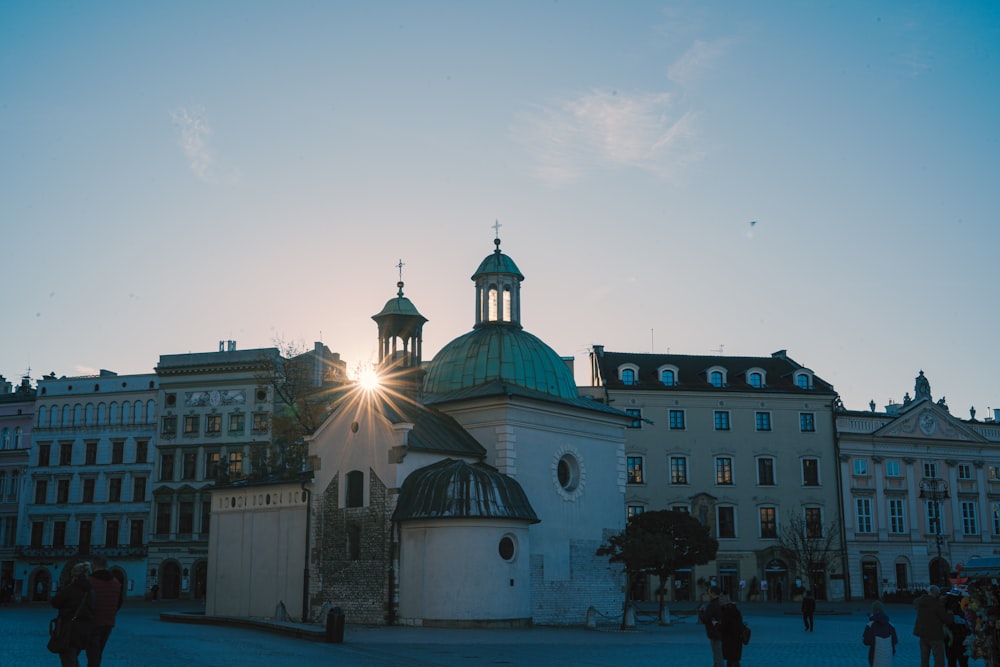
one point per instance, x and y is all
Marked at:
(756, 378)
(717, 377)
(628, 374)
(668, 376)
(803, 380)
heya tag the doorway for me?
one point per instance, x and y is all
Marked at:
(170, 581)
(869, 579)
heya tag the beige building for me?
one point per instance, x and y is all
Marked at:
(921, 490)
(746, 444)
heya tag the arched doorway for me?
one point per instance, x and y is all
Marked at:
(776, 578)
(40, 583)
(937, 572)
(682, 585)
(170, 580)
(869, 579)
(200, 579)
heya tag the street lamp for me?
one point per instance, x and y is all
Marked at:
(936, 490)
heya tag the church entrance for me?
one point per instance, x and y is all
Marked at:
(170, 581)
(200, 579)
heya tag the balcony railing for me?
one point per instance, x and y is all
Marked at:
(73, 551)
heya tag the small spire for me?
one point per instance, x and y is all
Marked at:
(399, 285)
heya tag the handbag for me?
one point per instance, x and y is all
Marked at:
(61, 630)
(745, 634)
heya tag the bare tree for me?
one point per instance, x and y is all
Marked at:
(808, 546)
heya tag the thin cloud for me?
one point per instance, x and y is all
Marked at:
(193, 136)
(607, 130)
(697, 61)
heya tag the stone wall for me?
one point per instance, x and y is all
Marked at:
(593, 582)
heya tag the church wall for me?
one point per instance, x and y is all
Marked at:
(453, 570)
(256, 551)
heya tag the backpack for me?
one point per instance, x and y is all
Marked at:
(745, 634)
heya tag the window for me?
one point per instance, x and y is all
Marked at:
(185, 520)
(111, 533)
(765, 471)
(715, 378)
(930, 470)
(634, 465)
(802, 381)
(636, 415)
(807, 422)
(211, 465)
(810, 472)
(892, 468)
(66, 454)
(90, 454)
(814, 522)
(897, 517)
(206, 516)
(118, 452)
(628, 376)
(668, 378)
(44, 454)
(354, 493)
(995, 513)
(213, 424)
(166, 467)
(88, 490)
(678, 470)
(135, 534)
(721, 420)
(768, 522)
(934, 525)
(723, 470)
(163, 518)
(755, 380)
(235, 464)
(115, 489)
(860, 467)
(138, 489)
(260, 422)
(676, 420)
(41, 491)
(763, 421)
(168, 426)
(726, 521)
(59, 534)
(994, 473)
(191, 424)
(964, 471)
(863, 514)
(188, 465)
(353, 541)
(62, 491)
(86, 529)
(237, 423)
(37, 529)
(13, 489)
(141, 449)
(633, 510)
(970, 518)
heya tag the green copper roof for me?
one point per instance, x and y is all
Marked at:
(499, 353)
(399, 305)
(498, 263)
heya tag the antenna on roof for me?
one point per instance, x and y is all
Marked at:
(720, 350)
(652, 347)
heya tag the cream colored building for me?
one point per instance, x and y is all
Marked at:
(921, 490)
(746, 444)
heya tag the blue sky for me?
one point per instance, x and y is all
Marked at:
(175, 174)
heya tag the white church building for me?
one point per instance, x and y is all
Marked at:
(474, 489)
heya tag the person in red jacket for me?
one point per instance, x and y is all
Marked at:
(109, 594)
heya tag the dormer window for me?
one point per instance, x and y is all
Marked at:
(803, 380)
(755, 380)
(668, 376)
(717, 377)
(628, 374)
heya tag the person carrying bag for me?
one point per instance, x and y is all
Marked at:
(72, 630)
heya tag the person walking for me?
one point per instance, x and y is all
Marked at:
(808, 610)
(731, 629)
(76, 600)
(929, 626)
(109, 594)
(711, 617)
(880, 637)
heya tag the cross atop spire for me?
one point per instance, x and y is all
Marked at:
(400, 267)
(496, 229)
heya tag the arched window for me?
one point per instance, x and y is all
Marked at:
(506, 304)
(150, 411)
(17, 437)
(628, 376)
(755, 380)
(65, 421)
(126, 412)
(90, 418)
(43, 414)
(138, 412)
(114, 417)
(12, 488)
(668, 378)
(715, 378)
(492, 305)
(5, 439)
(77, 415)
(102, 414)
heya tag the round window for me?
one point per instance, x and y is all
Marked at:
(568, 472)
(507, 547)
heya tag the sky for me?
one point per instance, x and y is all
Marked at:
(695, 177)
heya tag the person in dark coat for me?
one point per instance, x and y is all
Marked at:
(808, 610)
(77, 595)
(732, 633)
(711, 618)
(109, 594)
(959, 628)
(929, 626)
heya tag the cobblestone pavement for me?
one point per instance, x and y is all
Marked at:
(141, 639)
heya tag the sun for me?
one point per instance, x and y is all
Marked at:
(369, 379)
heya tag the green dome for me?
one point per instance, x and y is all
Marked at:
(497, 262)
(499, 353)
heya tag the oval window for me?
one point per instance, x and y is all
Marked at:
(568, 472)
(507, 547)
